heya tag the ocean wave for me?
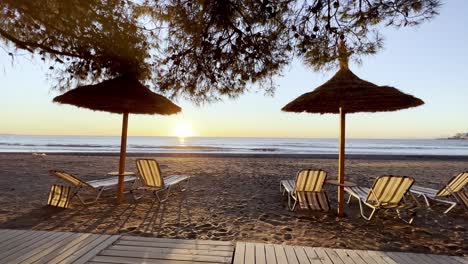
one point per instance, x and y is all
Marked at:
(264, 149)
(179, 147)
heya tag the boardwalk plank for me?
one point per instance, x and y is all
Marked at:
(429, 259)
(333, 256)
(443, 259)
(95, 250)
(178, 241)
(378, 258)
(25, 247)
(151, 255)
(291, 255)
(365, 256)
(270, 254)
(71, 253)
(398, 257)
(68, 249)
(17, 237)
(124, 260)
(344, 256)
(82, 251)
(462, 260)
(323, 255)
(280, 254)
(414, 257)
(9, 234)
(155, 243)
(260, 257)
(239, 255)
(249, 253)
(301, 255)
(384, 256)
(312, 256)
(173, 251)
(21, 244)
(49, 242)
(355, 256)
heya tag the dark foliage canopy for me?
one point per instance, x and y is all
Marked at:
(201, 49)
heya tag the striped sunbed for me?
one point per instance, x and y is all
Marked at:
(455, 189)
(150, 179)
(97, 186)
(59, 196)
(386, 193)
(306, 190)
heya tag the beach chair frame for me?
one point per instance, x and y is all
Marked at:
(97, 186)
(370, 198)
(446, 194)
(156, 183)
(293, 190)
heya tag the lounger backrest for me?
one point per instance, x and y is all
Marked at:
(310, 180)
(456, 184)
(69, 178)
(150, 173)
(388, 191)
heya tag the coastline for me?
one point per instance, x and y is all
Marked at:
(256, 155)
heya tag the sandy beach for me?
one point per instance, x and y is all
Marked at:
(235, 198)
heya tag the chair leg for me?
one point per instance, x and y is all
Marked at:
(99, 192)
(452, 205)
(349, 199)
(409, 221)
(293, 206)
(368, 218)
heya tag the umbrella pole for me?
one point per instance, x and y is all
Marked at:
(341, 164)
(123, 149)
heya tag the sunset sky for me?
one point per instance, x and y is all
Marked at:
(429, 61)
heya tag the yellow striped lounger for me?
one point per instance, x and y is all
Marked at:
(97, 186)
(387, 193)
(455, 189)
(150, 179)
(306, 190)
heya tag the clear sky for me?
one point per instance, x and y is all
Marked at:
(429, 61)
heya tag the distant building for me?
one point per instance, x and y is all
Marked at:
(460, 136)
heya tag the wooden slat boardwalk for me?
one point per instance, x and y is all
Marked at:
(21, 246)
(258, 253)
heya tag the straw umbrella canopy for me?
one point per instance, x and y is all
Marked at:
(121, 95)
(346, 93)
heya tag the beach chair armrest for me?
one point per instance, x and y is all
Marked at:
(175, 179)
(109, 182)
(358, 192)
(288, 185)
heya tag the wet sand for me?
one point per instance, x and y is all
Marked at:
(235, 197)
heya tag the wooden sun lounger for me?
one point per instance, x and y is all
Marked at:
(386, 193)
(306, 190)
(97, 186)
(454, 191)
(150, 179)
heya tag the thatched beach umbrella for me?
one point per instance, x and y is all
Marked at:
(122, 95)
(346, 93)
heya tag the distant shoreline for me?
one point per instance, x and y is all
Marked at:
(251, 155)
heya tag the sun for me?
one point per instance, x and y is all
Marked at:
(183, 130)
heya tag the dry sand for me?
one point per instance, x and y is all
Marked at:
(234, 198)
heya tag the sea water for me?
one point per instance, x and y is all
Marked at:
(111, 144)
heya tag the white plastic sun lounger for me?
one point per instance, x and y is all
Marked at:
(150, 179)
(306, 190)
(97, 186)
(386, 193)
(454, 191)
